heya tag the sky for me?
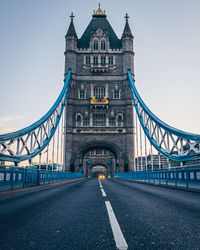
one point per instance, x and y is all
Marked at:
(166, 45)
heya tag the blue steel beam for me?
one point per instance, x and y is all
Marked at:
(189, 139)
(55, 112)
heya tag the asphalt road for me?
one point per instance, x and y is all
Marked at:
(75, 216)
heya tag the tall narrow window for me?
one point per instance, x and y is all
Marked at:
(103, 60)
(112, 121)
(82, 94)
(87, 60)
(116, 94)
(99, 92)
(96, 45)
(78, 120)
(86, 121)
(99, 120)
(110, 60)
(103, 45)
(105, 152)
(95, 60)
(119, 121)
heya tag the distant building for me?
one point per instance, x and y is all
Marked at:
(99, 110)
(151, 162)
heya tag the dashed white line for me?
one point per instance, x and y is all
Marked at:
(120, 241)
(103, 192)
(100, 184)
(117, 233)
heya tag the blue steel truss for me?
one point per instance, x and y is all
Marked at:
(30, 141)
(173, 143)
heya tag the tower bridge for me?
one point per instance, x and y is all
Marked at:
(99, 125)
(100, 110)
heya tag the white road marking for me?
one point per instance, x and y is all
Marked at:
(103, 192)
(118, 235)
(100, 184)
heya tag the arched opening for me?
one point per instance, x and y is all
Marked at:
(104, 154)
(98, 170)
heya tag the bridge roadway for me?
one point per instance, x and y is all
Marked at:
(74, 216)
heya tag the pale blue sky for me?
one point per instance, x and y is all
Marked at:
(167, 52)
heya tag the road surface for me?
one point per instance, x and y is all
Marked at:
(106, 214)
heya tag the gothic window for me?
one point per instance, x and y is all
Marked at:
(103, 60)
(86, 121)
(112, 121)
(110, 60)
(87, 60)
(78, 120)
(99, 120)
(99, 92)
(82, 94)
(96, 45)
(116, 94)
(95, 60)
(103, 45)
(119, 120)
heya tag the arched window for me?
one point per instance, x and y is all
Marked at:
(120, 120)
(78, 120)
(99, 92)
(103, 45)
(96, 47)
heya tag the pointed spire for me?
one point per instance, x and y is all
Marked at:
(127, 30)
(71, 30)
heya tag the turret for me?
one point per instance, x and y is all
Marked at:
(71, 47)
(127, 47)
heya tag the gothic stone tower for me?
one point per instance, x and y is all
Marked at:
(99, 110)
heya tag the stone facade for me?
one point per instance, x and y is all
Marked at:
(99, 109)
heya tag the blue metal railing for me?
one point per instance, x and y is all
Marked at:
(14, 177)
(178, 177)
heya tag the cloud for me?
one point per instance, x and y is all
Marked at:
(6, 123)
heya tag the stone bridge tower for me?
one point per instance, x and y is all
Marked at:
(99, 109)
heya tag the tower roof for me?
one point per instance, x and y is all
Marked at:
(71, 30)
(99, 20)
(127, 29)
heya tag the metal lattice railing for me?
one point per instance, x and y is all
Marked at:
(30, 141)
(173, 143)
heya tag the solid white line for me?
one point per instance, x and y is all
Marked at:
(118, 235)
(103, 192)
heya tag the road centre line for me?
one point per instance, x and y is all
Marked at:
(103, 192)
(100, 184)
(120, 241)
